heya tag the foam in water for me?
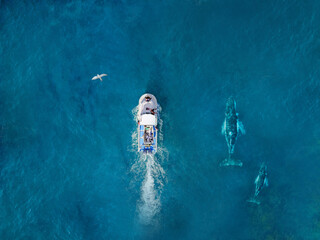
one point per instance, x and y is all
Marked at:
(149, 204)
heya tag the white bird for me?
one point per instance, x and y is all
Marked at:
(99, 76)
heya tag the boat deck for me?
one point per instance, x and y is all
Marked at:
(143, 147)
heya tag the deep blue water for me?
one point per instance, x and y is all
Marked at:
(68, 167)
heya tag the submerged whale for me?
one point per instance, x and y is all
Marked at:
(231, 128)
(260, 182)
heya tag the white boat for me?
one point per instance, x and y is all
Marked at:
(147, 124)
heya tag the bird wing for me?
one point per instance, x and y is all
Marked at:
(103, 75)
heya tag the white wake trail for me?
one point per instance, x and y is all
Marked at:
(149, 205)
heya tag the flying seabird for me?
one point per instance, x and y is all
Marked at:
(99, 76)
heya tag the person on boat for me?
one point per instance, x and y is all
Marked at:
(147, 137)
(151, 110)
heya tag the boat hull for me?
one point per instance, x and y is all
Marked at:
(147, 124)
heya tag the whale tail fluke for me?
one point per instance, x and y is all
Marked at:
(231, 162)
(254, 201)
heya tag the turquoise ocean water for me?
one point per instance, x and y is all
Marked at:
(69, 167)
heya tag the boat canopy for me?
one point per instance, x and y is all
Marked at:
(148, 119)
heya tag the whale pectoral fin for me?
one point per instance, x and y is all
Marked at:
(223, 128)
(266, 182)
(257, 179)
(240, 128)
